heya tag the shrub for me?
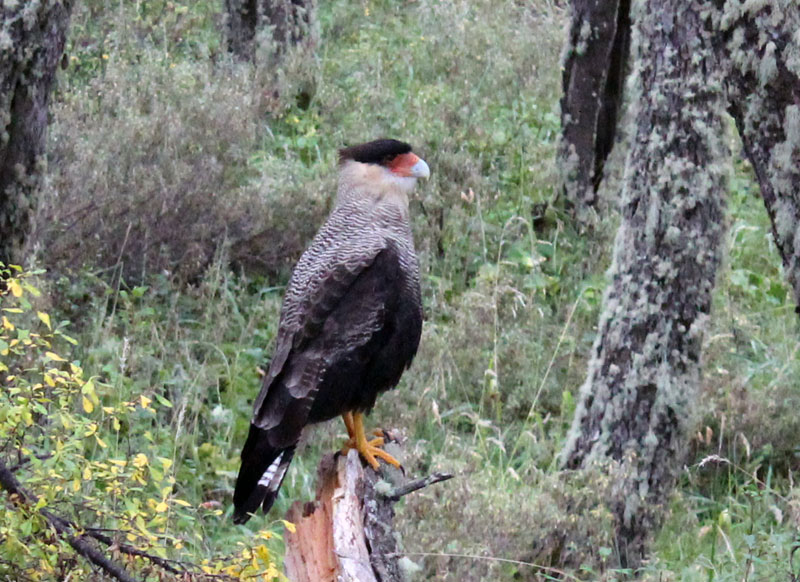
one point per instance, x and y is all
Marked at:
(151, 157)
(79, 464)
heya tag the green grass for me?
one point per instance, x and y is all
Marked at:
(152, 114)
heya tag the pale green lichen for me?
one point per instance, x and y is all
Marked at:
(768, 68)
(6, 43)
(408, 568)
(636, 402)
(583, 38)
(383, 487)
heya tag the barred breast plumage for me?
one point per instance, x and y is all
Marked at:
(351, 318)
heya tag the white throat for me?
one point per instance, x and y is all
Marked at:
(373, 182)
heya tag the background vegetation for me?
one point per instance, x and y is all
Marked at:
(182, 186)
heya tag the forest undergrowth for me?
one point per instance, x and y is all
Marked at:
(182, 186)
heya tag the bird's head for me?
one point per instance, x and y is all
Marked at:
(384, 167)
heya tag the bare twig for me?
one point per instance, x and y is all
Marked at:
(164, 563)
(417, 484)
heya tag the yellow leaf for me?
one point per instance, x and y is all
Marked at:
(45, 318)
(262, 553)
(87, 473)
(145, 401)
(140, 460)
(15, 288)
(100, 441)
(181, 502)
(55, 357)
(88, 407)
(289, 525)
(161, 507)
(88, 390)
(48, 379)
(7, 324)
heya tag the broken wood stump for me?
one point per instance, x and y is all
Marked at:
(347, 533)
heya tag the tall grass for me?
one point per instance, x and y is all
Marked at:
(171, 165)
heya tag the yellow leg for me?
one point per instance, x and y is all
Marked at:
(369, 450)
(350, 443)
(348, 423)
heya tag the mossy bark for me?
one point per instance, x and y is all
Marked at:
(32, 37)
(594, 71)
(759, 47)
(637, 400)
(289, 21)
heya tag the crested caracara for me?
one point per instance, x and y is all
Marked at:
(350, 322)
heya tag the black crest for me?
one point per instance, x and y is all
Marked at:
(380, 151)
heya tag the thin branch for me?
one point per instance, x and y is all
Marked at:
(165, 563)
(66, 528)
(417, 484)
(25, 460)
(63, 527)
(561, 573)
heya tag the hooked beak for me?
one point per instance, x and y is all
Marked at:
(420, 169)
(410, 165)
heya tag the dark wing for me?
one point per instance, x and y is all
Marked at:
(348, 305)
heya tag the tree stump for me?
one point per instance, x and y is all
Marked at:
(347, 533)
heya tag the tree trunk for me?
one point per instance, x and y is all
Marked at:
(289, 20)
(33, 37)
(347, 533)
(761, 60)
(637, 399)
(594, 74)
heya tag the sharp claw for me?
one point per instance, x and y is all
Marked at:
(367, 449)
(387, 457)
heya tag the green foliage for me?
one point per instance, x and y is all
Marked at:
(68, 438)
(169, 163)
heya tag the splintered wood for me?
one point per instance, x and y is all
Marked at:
(309, 550)
(347, 534)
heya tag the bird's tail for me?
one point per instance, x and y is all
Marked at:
(260, 476)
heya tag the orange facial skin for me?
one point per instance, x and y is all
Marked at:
(402, 164)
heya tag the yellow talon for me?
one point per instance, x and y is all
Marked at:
(351, 444)
(358, 440)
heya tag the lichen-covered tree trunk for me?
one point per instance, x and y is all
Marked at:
(32, 37)
(289, 21)
(637, 399)
(759, 47)
(595, 60)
